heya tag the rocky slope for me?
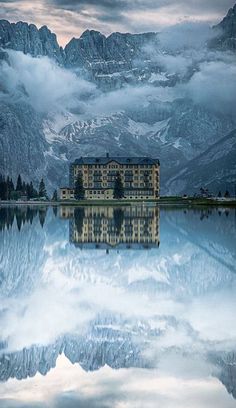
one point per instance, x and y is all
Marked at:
(30, 40)
(227, 31)
(215, 169)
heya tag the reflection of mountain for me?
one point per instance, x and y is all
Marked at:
(21, 256)
(135, 227)
(137, 299)
(212, 231)
(106, 342)
(227, 366)
(111, 342)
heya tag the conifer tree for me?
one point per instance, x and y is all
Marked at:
(19, 184)
(24, 188)
(3, 188)
(79, 188)
(118, 191)
(42, 189)
(10, 187)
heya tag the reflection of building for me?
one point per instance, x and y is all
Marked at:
(139, 176)
(107, 227)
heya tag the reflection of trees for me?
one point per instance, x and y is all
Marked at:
(118, 215)
(55, 210)
(21, 215)
(6, 217)
(79, 219)
(42, 215)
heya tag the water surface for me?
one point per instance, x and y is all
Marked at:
(122, 307)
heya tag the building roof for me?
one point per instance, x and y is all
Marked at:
(119, 160)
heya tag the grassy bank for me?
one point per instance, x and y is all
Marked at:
(201, 202)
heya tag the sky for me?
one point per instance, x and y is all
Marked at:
(69, 18)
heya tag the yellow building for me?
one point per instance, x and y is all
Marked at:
(140, 177)
(106, 227)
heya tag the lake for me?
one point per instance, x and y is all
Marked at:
(121, 307)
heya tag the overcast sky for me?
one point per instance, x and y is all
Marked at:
(69, 18)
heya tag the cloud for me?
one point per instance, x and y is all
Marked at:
(186, 35)
(186, 384)
(126, 11)
(130, 97)
(70, 18)
(213, 86)
(41, 82)
(122, 5)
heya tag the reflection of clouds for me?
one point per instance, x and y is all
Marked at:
(158, 306)
(69, 386)
(173, 290)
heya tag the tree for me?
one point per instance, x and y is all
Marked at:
(54, 196)
(24, 188)
(79, 188)
(19, 185)
(227, 195)
(10, 187)
(30, 190)
(42, 189)
(3, 188)
(118, 191)
(219, 194)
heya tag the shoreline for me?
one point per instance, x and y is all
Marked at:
(165, 201)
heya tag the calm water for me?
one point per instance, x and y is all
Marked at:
(117, 307)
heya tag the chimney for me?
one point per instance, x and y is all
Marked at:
(107, 155)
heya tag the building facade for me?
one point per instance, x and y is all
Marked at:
(140, 177)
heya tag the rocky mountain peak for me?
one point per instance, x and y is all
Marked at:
(227, 28)
(92, 33)
(29, 39)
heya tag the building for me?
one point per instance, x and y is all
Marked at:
(106, 227)
(140, 177)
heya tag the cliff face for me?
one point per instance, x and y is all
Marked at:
(227, 31)
(30, 40)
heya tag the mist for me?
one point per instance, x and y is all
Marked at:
(41, 82)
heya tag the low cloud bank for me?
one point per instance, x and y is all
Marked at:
(205, 76)
(41, 82)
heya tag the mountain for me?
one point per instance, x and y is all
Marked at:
(173, 127)
(28, 39)
(177, 132)
(114, 60)
(227, 31)
(215, 169)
